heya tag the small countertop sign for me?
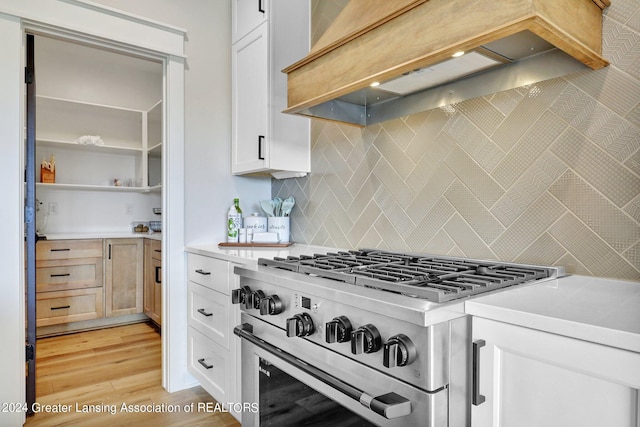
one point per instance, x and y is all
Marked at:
(600, 310)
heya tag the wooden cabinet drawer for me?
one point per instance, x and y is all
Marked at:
(209, 313)
(68, 306)
(209, 363)
(210, 272)
(67, 249)
(65, 274)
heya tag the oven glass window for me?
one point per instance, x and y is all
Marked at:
(285, 401)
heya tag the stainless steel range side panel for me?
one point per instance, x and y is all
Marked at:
(428, 409)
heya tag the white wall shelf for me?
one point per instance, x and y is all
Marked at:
(88, 187)
(71, 145)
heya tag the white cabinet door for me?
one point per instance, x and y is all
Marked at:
(246, 16)
(531, 379)
(264, 139)
(250, 85)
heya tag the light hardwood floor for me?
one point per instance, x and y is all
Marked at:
(108, 368)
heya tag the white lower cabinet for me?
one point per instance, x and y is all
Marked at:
(209, 313)
(530, 378)
(213, 350)
(208, 362)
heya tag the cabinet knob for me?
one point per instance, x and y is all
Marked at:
(365, 339)
(239, 296)
(338, 330)
(253, 299)
(300, 325)
(271, 305)
(398, 351)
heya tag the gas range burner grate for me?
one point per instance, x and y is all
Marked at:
(437, 279)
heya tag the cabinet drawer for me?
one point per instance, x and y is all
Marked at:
(60, 275)
(210, 272)
(209, 313)
(68, 306)
(209, 363)
(67, 249)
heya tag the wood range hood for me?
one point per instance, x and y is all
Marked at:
(407, 47)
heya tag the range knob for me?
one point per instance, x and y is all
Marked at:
(253, 299)
(399, 351)
(239, 296)
(338, 330)
(270, 305)
(365, 339)
(300, 325)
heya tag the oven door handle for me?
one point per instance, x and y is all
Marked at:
(390, 405)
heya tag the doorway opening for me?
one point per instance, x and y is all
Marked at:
(98, 173)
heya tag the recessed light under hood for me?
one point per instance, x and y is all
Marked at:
(406, 49)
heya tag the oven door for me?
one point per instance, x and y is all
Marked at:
(296, 382)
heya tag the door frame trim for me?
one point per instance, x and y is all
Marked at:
(91, 22)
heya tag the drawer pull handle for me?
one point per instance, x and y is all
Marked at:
(204, 273)
(204, 313)
(204, 364)
(60, 275)
(158, 250)
(476, 397)
(158, 278)
(62, 307)
(60, 250)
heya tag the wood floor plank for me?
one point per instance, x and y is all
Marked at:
(101, 371)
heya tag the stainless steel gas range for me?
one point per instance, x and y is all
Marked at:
(364, 337)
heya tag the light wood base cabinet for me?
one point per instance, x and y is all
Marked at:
(123, 276)
(152, 304)
(69, 277)
(76, 305)
(531, 378)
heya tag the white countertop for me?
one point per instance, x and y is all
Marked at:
(244, 255)
(102, 235)
(604, 311)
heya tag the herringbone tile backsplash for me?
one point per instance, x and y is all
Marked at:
(546, 174)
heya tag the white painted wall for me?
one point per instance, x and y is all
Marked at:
(11, 297)
(209, 186)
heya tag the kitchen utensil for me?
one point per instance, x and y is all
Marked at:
(277, 206)
(287, 205)
(267, 207)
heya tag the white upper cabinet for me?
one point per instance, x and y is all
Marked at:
(246, 16)
(265, 140)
